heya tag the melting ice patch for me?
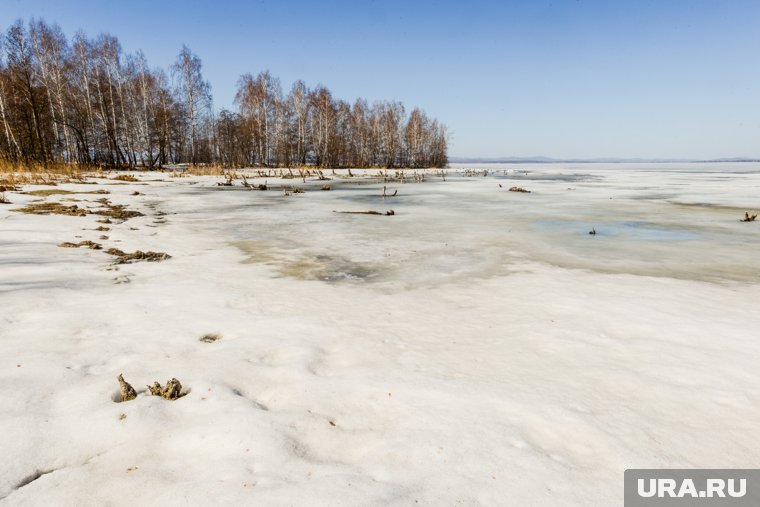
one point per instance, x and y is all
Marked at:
(643, 231)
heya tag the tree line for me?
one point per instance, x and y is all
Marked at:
(85, 102)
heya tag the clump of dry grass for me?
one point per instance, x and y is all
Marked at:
(3, 199)
(17, 173)
(118, 211)
(211, 337)
(171, 391)
(89, 244)
(205, 170)
(18, 179)
(126, 177)
(126, 391)
(52, 208)
(126, 258)
(54, 191)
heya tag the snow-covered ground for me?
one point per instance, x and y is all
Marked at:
(479, 347)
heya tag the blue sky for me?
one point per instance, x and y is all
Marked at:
(576, 78)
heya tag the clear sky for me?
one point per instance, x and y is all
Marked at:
(561, 78)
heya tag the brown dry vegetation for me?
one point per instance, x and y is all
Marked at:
(89, 244)
(119, 211)
(52, 208)
(110, 210)
(126, 177)
(171, 391)
(17, 173)
(54, 191)
(125, 258)
(126, 390)
(205, 170)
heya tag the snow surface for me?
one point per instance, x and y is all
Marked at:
(477, 348)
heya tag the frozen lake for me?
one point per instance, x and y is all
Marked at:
(670, 220)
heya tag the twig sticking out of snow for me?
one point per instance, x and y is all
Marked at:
(390, 212)
(227, 183)
(749, 217)
(385, 194)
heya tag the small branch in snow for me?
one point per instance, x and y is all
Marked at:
(390, 212)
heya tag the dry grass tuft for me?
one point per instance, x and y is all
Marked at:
(126, 258)
(118, 211)
(126, 177)
(55, 191)
(52, 208)
(171, 391)
(211, 337)
(89, 244)
(15, 173)
(204, 170)
(126, 391)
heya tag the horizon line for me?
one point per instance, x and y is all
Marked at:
(544, 159)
